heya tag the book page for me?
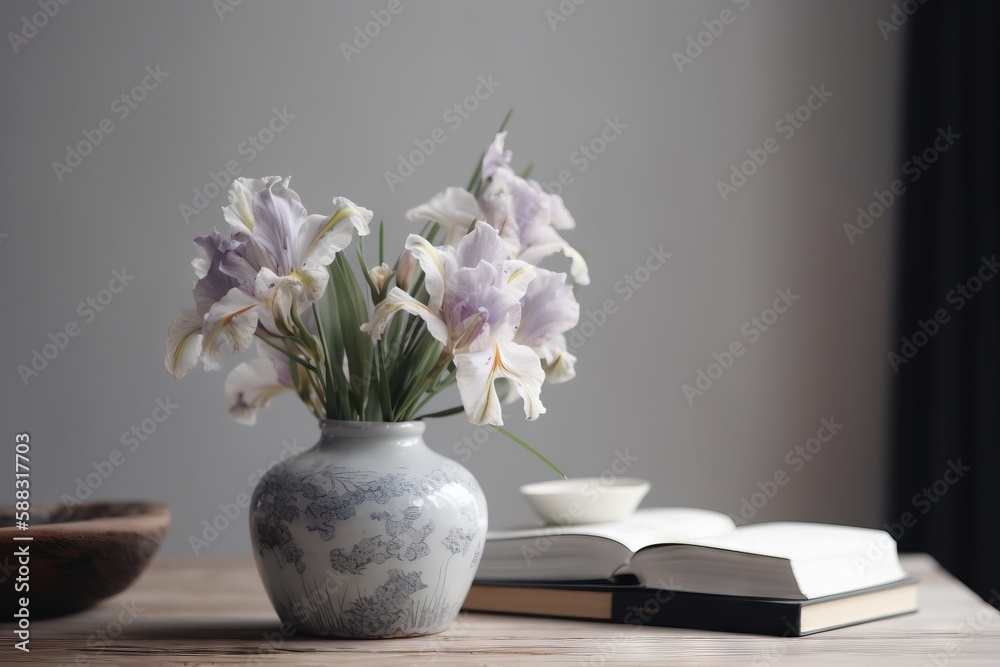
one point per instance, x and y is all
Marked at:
(785, 560)
(791, 540)
(645, 527)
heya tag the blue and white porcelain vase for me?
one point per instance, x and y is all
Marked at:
(368, 534)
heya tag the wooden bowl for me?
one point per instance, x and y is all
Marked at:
(79, 555)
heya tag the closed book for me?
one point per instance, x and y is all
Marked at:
(637, 605)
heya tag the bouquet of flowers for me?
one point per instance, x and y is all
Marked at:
(476, 311)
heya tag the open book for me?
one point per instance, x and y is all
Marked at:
(699, 551)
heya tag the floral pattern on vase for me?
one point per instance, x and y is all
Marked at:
(368, 534)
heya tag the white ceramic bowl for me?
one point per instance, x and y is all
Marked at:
(567, 502)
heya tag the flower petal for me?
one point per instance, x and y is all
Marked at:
(479, 307)
(478, 371)
(455, 209)
(437, 264)
(239, 213)
(249, 387)
(279, 216)
(549, 308)
(554, 243)
(215, 284)
(281, 294)
(407, 270)
(183, 343)
(280, 362)
(398, 300)
(497, 203)
(380, 276)
(495, 156)
(558, 362)
(518, 275)
(322, 237)
(482, 244)
(561, 217)
(232, 321)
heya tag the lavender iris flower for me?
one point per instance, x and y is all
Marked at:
(476, 307)
(270, 268)
(527, 217)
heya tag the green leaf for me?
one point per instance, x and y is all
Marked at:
(388, 413)
(381, 242)
(358, 347)
(292, 357)
(443, 413)
(476, 181)
(328, 319)
(506, 119)
(376, 297)
(419, 379)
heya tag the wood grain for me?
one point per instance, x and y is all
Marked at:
(204, 611)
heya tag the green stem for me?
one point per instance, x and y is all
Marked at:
(297, 359)
(435, 389)
(383, 383)
(329, 388)
(410, 406)
(532, 450)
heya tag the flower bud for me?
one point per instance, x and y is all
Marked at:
(407, 271)
(380, 276)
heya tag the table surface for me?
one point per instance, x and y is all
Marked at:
(186, 611)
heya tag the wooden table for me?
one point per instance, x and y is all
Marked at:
(201, 611)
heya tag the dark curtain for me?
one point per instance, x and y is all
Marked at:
(945, 463)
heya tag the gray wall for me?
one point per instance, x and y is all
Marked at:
(655, 185)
